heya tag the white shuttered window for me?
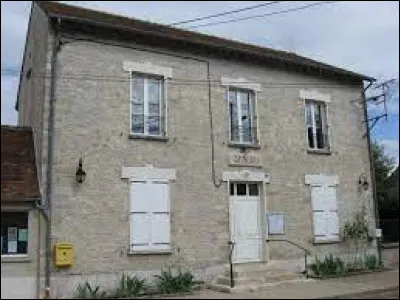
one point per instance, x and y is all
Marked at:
(150, 216)
(325, 213)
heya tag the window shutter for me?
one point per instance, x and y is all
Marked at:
(150, 216)
(325, 213)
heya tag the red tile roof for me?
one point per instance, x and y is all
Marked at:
(19, 180)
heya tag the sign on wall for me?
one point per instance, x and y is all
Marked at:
(276, 223)
(244, 159)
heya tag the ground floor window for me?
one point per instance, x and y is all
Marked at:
(14, 233)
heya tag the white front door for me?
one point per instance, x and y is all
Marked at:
(245, 221)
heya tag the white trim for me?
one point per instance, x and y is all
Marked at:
(314, 95)
(240, 83)
(147, 68)
(246, 175)
(322, 179)
(147, 173)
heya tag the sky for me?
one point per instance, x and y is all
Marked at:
(359, 36)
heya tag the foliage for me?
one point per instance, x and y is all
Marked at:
(357, 230)
(329, 266)
(85, 291)
(371, 261)
(129, 286)
(388, 198)
(168, 283)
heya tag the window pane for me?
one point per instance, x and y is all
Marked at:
(253, 189)
(154, 125)
(137, 123)
(232, 189)
(137, 89)
(153, 91)
(154, 109)
(241, 189)
(310, 137)
(245, 117)
(319, 107)
(14, 232)
(234, 116)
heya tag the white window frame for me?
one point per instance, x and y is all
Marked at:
(149, 69)
(325, 128)
(18, 256)
(253, 115)
(316, 96)
(162, 108)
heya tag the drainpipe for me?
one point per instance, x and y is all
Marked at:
(372, 171)
(55, 49)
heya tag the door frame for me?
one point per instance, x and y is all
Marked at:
(262, 215)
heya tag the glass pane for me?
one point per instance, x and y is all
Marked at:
(137, 123)
(253, 189)
(154, 125)
(154, 109)
(137, 89)
(318, 119)
(308, 114)
(245, 116)
(14, 232)
(153, 90)
(137, 109)
(241, 189)
(232, 189)
(234, 116)
(320, 139)
(310, 137)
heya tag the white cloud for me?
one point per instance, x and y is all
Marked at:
(391, 147)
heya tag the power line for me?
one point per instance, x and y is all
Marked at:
(263, 15)
(225, 13)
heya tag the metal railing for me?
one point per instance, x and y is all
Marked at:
(306, 251)
(232, 246)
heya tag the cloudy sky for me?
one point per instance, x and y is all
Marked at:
(360, 36)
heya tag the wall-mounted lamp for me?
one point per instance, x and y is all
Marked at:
(363, 182)
(80, 174)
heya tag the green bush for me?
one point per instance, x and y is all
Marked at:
(329, 266)
(85, 291)
(371, 261)
(129, 286)
(168, 283)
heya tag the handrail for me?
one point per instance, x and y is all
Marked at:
(232, 246)
(306, 251)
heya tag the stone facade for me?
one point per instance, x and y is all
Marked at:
(92, 121)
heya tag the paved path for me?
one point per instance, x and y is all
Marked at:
(380, 284)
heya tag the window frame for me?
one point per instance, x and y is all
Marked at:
(162, 103)
(11, 257)
(325, 125)
(253, 117)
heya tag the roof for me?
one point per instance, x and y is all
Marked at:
(79, 14)
(19, 180)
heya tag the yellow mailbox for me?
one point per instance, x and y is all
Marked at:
(64, 254)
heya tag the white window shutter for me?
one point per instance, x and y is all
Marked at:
(150, 216)
(160, 216)
(325, 213)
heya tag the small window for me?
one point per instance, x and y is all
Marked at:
(241, 189)
(14, 233)
(232, 189)
(147, 105)
(253, 189)
(317, 129)
(242, 116)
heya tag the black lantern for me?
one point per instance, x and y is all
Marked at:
(80, 174)
(363, 182)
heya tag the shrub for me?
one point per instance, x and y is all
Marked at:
(329, 266)
(168, 283)
(129, 286)
(371, 261)
(85, 291)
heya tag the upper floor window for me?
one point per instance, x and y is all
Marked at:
(317, 129)
(147, 105)
(242, 114)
